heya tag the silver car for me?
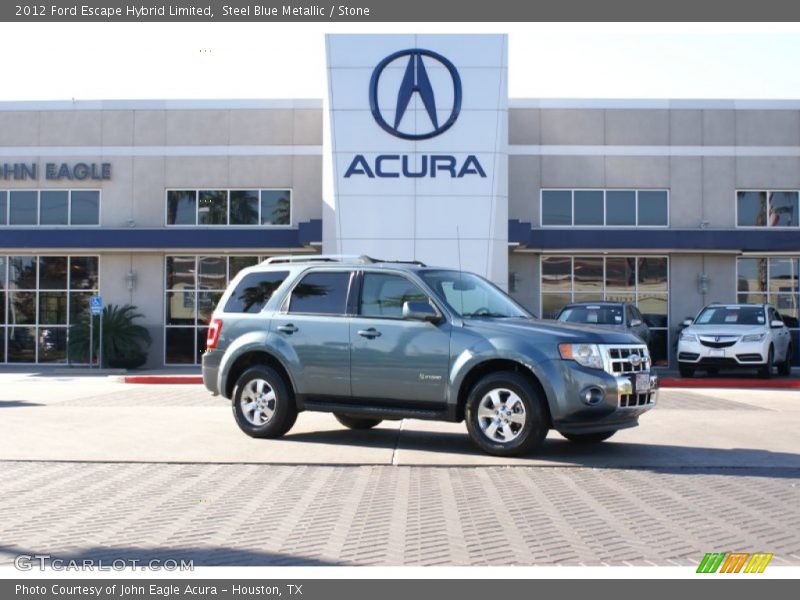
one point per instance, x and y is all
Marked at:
(725, 336)
(612, 315)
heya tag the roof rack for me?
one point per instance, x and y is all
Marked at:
(330, 258)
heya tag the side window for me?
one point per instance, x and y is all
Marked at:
(383, 295)
(254, 291)
(321, 293)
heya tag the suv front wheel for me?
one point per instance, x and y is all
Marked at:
(505, 416)
(263, 406)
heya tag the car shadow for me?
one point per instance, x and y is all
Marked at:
(18, 403)
(558, 452)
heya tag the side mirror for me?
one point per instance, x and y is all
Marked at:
(634, 323)
(776, 324)
(420, 311)
(687, 322)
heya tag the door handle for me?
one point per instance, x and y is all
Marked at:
(370, 333)
(288, 328)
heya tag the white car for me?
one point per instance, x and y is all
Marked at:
(735, 336)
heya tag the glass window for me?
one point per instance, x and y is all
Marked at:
(83, 272)
(180, 272)
(620, 272)
(52, 344)
(553, 303)
(652, 274)
(22, 272)
(589, 207)
(78, 304)
(85, 208)
(654, 309)
(237, 263)
(620, 207)
(213, 207)
(321, 293)
(652, 207)
(471, 296)
(752, 274)
(212, 273)
(244, 207)
(383, 295)
(22, 208)
(588, 273)
(556, 273)
(180, 345)
(3, 211)
(53, 308)
(206, 303)
(54, 208)
(556, 207)
(53, 273)
(751, 209)
(782, 275)
(782, 209)
(181, 207)
(276, 207)
(21, 344)
(22, 308)
(180, 308)
(254, 291)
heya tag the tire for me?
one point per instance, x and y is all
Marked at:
(505, 415)
(589, 438)
(263, 404)
(713, 371)
(686, 371)
(785, 368)
(356, 422)
(765, 372)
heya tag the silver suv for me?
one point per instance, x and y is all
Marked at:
(370, 340)
(725, 336)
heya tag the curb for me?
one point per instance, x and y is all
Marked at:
(664, 382)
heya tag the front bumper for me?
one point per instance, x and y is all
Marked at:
(742, 354)
(620, 405)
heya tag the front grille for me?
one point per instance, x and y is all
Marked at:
(633, 400)
(618, 359)
(717, 361)
(718, 341)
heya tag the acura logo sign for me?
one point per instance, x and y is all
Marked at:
(415, 81)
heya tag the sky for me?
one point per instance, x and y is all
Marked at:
(88, 61)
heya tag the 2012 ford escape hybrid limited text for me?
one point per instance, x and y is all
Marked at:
(370, 340)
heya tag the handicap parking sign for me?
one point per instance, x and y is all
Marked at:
(96, 305)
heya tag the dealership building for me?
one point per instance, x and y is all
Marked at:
(416, 153)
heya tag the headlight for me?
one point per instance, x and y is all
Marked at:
(756, 337)
(586, 355)
(688, 337)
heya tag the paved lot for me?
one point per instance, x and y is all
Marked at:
(95, 468)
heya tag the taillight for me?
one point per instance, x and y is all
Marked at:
(214, 329)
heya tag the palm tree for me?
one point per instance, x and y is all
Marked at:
(124, 342)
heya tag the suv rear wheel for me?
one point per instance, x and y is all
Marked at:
(505, 416)
(356, 422)
(263, 404)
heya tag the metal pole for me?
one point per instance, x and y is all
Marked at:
(100, 344)
(91, 337)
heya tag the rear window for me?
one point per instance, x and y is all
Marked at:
(254, 291)
(596, 315)
(321, 293)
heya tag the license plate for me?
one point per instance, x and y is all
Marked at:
(642, 383)
(716, 353)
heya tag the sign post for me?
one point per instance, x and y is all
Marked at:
(95, 308)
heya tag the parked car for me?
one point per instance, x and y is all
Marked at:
(612, 315)
(735, 336)
(370, 340)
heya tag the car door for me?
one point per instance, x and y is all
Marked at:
(313, 333)
(780, 336)
(394, 359)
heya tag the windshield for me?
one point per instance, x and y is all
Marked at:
(471, 296)
(731, 315)
(594, 315)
